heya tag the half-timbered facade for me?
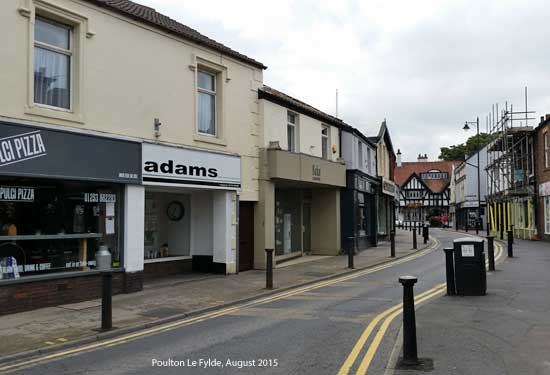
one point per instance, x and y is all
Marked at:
(424, 190)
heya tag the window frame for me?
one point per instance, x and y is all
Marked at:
(325, 149)
(70, 53)
(546, 150)
(208, 92)
(294, 126)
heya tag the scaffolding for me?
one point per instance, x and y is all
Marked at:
(510, 172)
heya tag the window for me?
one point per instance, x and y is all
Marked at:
(547, 214)
(325, 142)
(361, 215)
(206, 87)
(291, 131)
(369, 160)
(547, 150)
(360, 154)
(49, 226)
(53, 53)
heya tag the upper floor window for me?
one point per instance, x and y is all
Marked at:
(291, 131)
(206, 91)
(547, 150)
(325, 142)
(53, 52)
(360, 159)
(434, 175)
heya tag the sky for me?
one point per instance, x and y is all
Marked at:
(426, 66)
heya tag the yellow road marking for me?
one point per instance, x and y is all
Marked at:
(50, 342)
(394, 311)
(366, 333)
(215, 314)
(62, 339)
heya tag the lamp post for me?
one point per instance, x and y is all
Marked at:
(466, 128)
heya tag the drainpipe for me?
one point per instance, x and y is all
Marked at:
(340, 143)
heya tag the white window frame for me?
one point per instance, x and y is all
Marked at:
(326, 149)
(294, 126)
(547, 150)
(69, 52)
(212, 93)
(81, 29)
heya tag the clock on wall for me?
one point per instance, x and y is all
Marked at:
(175, 211)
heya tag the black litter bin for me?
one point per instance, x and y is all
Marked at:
(470, 272)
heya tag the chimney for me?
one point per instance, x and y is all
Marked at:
(547, 116)
(399, 157)
(422, 158)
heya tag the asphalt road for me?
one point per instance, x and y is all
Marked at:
(312, 332)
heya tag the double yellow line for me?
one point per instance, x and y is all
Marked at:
(389, 315)
(203, 317)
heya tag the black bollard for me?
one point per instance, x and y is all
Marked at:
(425, 233)
(491, 252)
(351, 251)
(414, 240)
(107, 300)
(487, 223)
(510, 244)
(392, 244)
(512, 230)
(477, 225)
(419, 228)
(410, 355)
(269, 269)
(450, 271)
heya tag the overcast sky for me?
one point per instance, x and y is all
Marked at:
(425, 66)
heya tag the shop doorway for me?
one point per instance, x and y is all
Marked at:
(246, 236)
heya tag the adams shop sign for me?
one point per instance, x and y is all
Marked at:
(176, 166)
(41, 152)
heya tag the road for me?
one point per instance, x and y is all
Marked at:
(332, 328)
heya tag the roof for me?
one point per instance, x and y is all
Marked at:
(407, 169)
(152, 17)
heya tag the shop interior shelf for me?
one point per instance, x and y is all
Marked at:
(30, 237)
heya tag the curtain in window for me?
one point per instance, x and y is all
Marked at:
(51, 78)
(207, 112)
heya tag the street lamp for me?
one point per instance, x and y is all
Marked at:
(466, 128)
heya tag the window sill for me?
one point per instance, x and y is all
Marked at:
(53, 113)
(167, 259)
(209, 139)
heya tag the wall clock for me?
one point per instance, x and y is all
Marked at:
(175, 211)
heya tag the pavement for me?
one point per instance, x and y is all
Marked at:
(173, 298)
(505, 332)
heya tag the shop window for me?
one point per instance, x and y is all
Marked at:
(49, 226)
(547, 215)
(291, 131)
(206, 87)
(361, 215)
(53, 53)
(288, 221)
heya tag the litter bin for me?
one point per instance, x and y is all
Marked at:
(470, 272)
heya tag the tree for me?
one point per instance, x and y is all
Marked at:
(460, 151)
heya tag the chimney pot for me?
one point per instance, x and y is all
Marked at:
(548, 116)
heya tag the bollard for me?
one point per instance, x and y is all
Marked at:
(450, 271)
(477, 226)
(425, 233)
(419, 228)
(510, 244)
(491, 252)
(351, 251)
(414, 240)
(487, 226)
(107, 300)
(410, 355)
(501, 231)
(512, 230)
(269, 269)
(392, 244)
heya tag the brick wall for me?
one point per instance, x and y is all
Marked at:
(34, 295)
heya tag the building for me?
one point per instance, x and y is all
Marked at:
(465, 187)
(542, 176)
(360, 196)
(511, 177)
(424, 190)
(301, 173)
(122, 128)
(385, 162)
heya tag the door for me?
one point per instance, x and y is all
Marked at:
(246, 236)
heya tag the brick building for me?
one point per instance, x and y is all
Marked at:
(542, 176)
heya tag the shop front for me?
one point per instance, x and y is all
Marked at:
(299, 206)
(386, 205)
(61, 200)
(544, 210)
(190, 210)
(359, 211)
